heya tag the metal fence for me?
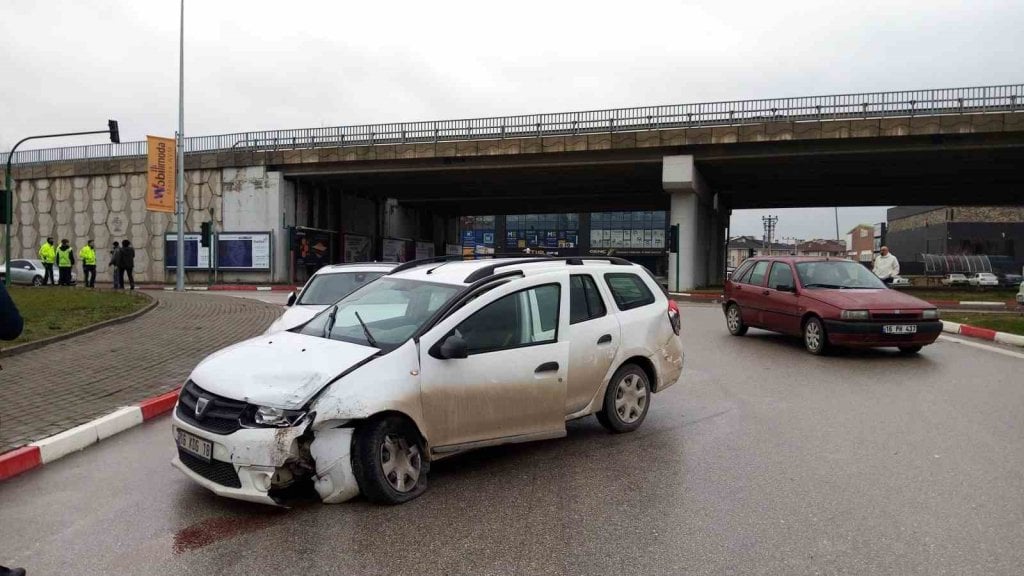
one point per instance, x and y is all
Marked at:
(945, 101)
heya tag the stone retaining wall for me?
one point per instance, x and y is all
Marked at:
(107, 208)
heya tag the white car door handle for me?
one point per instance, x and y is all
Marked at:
(607, 338)
(547, 367)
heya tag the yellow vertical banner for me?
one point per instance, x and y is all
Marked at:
(161, 174)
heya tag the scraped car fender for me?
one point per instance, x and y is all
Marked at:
(387, 383)
(332, 452)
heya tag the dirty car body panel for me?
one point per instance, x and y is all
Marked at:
(469, 354)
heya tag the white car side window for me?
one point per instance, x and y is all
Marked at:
(518, 319)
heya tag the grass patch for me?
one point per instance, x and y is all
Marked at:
(1012, 323)
(992, 295)
(49, 311)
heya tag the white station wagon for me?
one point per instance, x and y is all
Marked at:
(433, 359)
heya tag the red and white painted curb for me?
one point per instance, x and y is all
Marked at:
(983, 333)
(226, 288)
(49, 449)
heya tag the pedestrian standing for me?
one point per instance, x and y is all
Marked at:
(115, 269)
(10, 320)
(886, 266)
(88, 256)
(65, 262)
(48, 254)
(126, 263)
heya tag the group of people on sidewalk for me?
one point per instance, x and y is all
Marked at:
(122, 263)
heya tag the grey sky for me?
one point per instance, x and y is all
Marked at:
(259, 64)
(805, 223)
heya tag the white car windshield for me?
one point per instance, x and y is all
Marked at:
(327, 289)
(836, 274)
(382, 314)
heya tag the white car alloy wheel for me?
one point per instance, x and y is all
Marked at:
(630, 398)
(401, 462)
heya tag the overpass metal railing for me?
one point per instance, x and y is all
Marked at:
(945, 101)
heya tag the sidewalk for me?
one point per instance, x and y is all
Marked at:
(49, 390)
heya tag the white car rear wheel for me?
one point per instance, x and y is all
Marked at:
(626, 400)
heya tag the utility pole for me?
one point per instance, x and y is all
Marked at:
(769, 229)
(180, 200)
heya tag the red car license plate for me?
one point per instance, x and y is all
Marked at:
(899, 329)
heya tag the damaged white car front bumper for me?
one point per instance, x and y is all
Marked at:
(252, 464)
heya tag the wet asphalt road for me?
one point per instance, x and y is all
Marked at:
(761, 460)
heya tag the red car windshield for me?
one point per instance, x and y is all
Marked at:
(837, 274)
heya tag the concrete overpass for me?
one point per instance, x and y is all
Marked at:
(698, 162)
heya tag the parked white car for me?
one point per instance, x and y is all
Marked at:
(955, 279)
(436, 358)
(900, 282)
(984, 279)
(328, 285)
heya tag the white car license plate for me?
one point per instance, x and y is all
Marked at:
(899, 329)
(195, 445)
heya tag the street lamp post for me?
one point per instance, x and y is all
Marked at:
(180, 200)
(8, 191)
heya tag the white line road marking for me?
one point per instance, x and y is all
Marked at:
(982, 346)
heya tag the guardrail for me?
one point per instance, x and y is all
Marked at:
(944, 101)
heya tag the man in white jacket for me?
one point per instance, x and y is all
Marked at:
(886, 266)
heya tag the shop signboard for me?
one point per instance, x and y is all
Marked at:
(424, 250)
(357, 248)
(312, 247)
(395, 250)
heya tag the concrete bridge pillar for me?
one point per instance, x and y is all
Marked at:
(692, 210)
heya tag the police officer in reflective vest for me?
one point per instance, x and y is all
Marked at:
(65, 261)
(48, 254)
(88, 256)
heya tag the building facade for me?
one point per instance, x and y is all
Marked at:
(819, 247)
(860, 243)
(993, 231)
(743, 247)
(640, 236)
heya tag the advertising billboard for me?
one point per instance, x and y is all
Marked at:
(243, 251)
(196, 257)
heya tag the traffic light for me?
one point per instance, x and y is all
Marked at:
(3, 206)
(673, 238)
(115, 135)
(207, 231)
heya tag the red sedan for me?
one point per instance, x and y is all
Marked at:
(827, 302)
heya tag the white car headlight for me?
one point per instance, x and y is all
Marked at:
(276, 417)
(932, 314)
(855, 315)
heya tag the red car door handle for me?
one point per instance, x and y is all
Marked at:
(765, 293)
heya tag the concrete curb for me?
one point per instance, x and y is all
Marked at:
(29, 346)
(55, 447)
(982, 333)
